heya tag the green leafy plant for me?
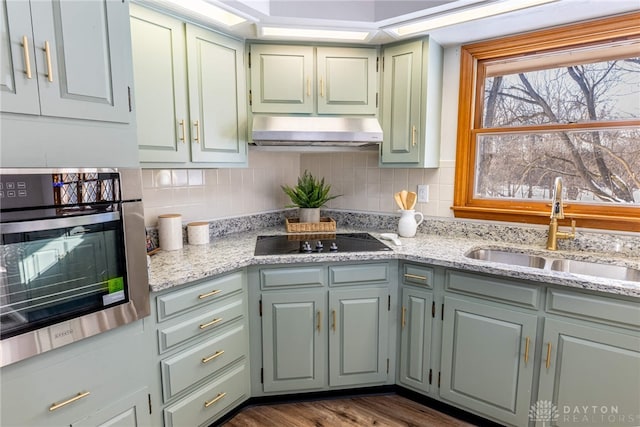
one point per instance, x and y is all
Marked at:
(309, 193)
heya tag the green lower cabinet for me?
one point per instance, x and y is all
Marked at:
(358, 336)
(130, 411)
(487, 359)
(294, 340)
(415, 338)
(591, 377)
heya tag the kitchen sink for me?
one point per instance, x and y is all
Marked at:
(505, 257)
(607, 271)
(586, 268)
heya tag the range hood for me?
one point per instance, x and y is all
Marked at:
(316, 131)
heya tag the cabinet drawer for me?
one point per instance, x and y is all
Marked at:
(595, 308)
(209, 401)
(274, 278)
(202, 360)
(417, 275)
(343, 275)
(201, 323)
(493, 288)
(195, 296)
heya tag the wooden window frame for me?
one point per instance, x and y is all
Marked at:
(625, 218)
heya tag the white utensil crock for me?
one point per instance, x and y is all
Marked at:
(409, 222)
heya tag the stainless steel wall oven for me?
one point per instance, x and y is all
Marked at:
(72, 256)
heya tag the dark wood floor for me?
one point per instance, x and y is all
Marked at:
(382, 410)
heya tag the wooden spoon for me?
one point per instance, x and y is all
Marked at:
(398, 200)
(403, 197)
(411, 200)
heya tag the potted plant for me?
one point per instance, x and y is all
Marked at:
(309, 195)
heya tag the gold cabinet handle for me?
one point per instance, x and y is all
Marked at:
(526, 350)
(404, 312)
(214, 400)
(196, 125)
(77, 397)
(548, 355)
(27, 59)
(182, 130)
(213, 322)
(413, 136)
(209, 294)
(318, 320)
(333, 320)
(213, 356)
(308, 86)
(321, 87)
(415, 276)
(47, 54)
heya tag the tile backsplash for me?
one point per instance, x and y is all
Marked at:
(206, 194)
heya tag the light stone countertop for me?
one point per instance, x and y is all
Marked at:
(234, 251)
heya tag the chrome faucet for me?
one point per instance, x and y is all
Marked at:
(557, 212)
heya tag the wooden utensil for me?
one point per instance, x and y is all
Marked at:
(403, 197)
(411, 200)
(398, 200)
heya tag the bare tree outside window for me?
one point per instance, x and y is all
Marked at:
(569, 108)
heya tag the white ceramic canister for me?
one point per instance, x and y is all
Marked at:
(170, 232)
(408, 224)
(198, 233)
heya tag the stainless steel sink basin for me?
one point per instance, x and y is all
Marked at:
(607, 271)
(505, 257)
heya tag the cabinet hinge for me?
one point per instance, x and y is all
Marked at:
(260, 307)
(389, 303)
(249, 59)
(129, 95)
(376, 99)
(261, 375)
(439, 379)
(250, 98)
(377, 63)
(387, 366)
(430, 376)
(442, 314)
(433, 309)
(149, 400)
(383, 64)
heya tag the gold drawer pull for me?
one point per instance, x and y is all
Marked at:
(548, 355)
(526, 350)
(404, 312)
(414, 276)
(196, 125)
(413, 136)
(213, 356)
(27, 60)
(319, 321)
(209, 294)
(47, 54)
(214, 400)
(182, 132)
(213, 322)
(321, 87)
(66, 402)
(308, 86)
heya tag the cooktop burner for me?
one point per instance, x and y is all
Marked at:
(285, 244)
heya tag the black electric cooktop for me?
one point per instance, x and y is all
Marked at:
(286, 244)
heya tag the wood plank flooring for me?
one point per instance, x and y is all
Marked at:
(379, 410)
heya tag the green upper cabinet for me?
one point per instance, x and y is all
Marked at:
(589, 375)
(285, 80)
(65, 59)
(487, 359)
(347, 80)
(411, 104)
(282, 79)
(190, 93)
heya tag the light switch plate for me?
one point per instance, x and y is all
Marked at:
(423, 193)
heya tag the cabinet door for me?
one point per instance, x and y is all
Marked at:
(130, 411)
(282, 79)
(358, 336)
(415, 345)
(592, 376)
(401, 103)
(347, 80)
(217, 105)
(159, 68)
(294, 340)
(18, 84)
(84, 74)
(487, 359)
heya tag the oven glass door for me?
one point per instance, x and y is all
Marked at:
(57, 269)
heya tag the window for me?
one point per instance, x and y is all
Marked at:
(559, 102)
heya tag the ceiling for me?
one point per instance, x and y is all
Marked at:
(378, 16)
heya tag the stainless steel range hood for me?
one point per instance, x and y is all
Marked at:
(316, 131)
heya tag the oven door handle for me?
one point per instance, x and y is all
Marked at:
(54, 223)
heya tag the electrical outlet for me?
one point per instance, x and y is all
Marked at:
(423, 193)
